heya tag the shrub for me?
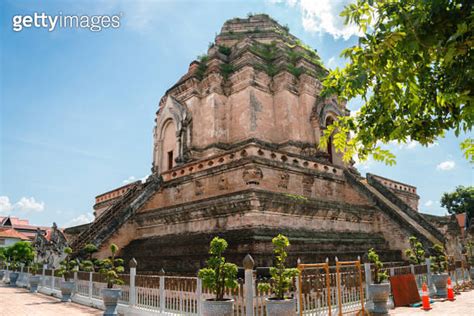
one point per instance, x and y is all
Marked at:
(226, 70)
(201, 70)
(416, 252)
(281, 276)
(20, 252)
(379, 274)
(111, 267)
(89, 265)
(224, 50)
(68, 266)
(439, 261)
(219, 274)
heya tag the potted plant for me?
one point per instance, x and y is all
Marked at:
(439, 265)
(89, 265)
(416, 252)
(67, 267)
(34, 278)
(280, 304)
(379, 290)
(218, 276)
(110, 268)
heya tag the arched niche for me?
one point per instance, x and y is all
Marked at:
(169, 147)
(170, 135)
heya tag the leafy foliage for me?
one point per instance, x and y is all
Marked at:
(89, 265)
(439, 261)
(21, 252)
(281, 276)
(111, 267)
(226, 70)
(460, 201)
(219, 274)
(379, 274)
(413, 68)
(35, 267)
(201, 70)
(470, 252)
(224, 50)
(416, 252)
(68, 266)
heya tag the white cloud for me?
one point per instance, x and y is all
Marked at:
(29, 205)
(446, 165)
(129, 180)
(322, 16)
(5, 204)
(133, 179)
(428, 203)
(81, 219)
(409, 144)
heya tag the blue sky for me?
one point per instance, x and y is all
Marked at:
(77, 107)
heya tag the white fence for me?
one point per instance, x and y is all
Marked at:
(174, 295)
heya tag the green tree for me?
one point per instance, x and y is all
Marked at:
(413, 67)
(460, 201)
(281, 276)
(68, 266)
(111, 267)
(219, 274)
(20, 252)
(416, 252)
(379, 274)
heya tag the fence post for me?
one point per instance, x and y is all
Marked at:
(162, 291)
(52, 280)
(368, 278)
(43, 274)
(299, 305)
(132, 292)
(75, 282)
(412, 269)
(248, 288)
(90, 287)
(199, 296)
(431, 290)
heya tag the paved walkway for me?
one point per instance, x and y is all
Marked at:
(20, 302)
(462, 306)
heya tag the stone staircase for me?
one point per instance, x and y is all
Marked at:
(115, 216)
(397, 210)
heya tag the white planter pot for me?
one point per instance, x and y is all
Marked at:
(34, 282)
(379, 294)
(285, 307)
(440, 281)
(67, 287)
(13, 278)
(110, 298)
(218, 308)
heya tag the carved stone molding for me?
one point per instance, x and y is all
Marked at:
(198, 187)
(284, 179)
(252, 175)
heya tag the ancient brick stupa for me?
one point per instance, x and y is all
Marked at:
(236, 155)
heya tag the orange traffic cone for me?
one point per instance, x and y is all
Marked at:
(425, 299)
(450, 291)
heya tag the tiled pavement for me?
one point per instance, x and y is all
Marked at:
(20, 302)
(462, 306)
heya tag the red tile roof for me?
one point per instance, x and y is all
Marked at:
(11, 233)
